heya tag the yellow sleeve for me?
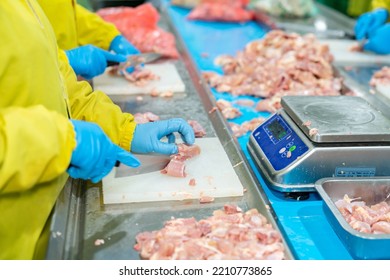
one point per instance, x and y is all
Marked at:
(92, 29)
(35, 147)
(380, 4)
(97, 107)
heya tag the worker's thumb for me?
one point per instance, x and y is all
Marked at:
(369, 46)
(127, 158)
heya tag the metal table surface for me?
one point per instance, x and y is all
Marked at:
(80, 217)
(303, 222)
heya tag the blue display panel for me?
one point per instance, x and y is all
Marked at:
(279, 142)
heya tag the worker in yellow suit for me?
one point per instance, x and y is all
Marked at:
(89, 41)
(373, 27)
(50, 125)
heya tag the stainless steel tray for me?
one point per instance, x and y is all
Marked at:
(372, 191)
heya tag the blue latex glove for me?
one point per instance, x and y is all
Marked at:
(147, 136)
(121, 45)
(89, 61)
(379, 41)
(369, 22)
(95, 155)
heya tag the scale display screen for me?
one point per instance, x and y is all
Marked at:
(276, 130)
(278, 142)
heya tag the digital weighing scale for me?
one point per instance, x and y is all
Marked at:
(314, 137)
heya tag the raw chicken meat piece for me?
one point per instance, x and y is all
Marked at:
(356, 47)
(381, 77)
(253, 123)
(279, 64)
(268, 105)
(313, 131)
(176, 166)
(222, 10)
(139, 77)
(187, 152)
(363, 218)
(140, 26)
(229, 234)
(206, 199)
(145, 117)
(198, 128)
(238, 130)
(192, 182)
(245, 102)
(227, 109)
(381, 227)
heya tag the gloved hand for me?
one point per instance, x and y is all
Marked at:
(95, 155)
(89, 61)
(379, 41)
(121, 45)
(147, 136)
(369, 22)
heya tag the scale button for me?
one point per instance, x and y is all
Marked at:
(292, 148)
(282, 150)
(288, 155)
(289, 145)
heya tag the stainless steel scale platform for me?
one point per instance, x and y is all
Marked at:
(314, 137)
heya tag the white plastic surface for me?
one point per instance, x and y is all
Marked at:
(115, 85)
(212, 171)
(342, 54)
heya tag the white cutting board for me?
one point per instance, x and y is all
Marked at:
(115, 85)
(212, 171)
(342, 54)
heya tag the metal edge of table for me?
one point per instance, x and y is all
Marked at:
(66, 222)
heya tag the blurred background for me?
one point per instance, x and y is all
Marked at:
(352, 8)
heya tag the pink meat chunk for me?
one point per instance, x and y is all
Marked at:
(222, 10)
(139, 77)
(228, 111)
(198, 128)
(229, 234)
(175, 168)
(187, 152)
(373, 219)
(277, 65)
(145, 117)
(140, 26)
(381, 77)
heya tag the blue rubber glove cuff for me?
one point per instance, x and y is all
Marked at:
(95, 155)
(147, 136)
(370, 22)
(89, 61)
